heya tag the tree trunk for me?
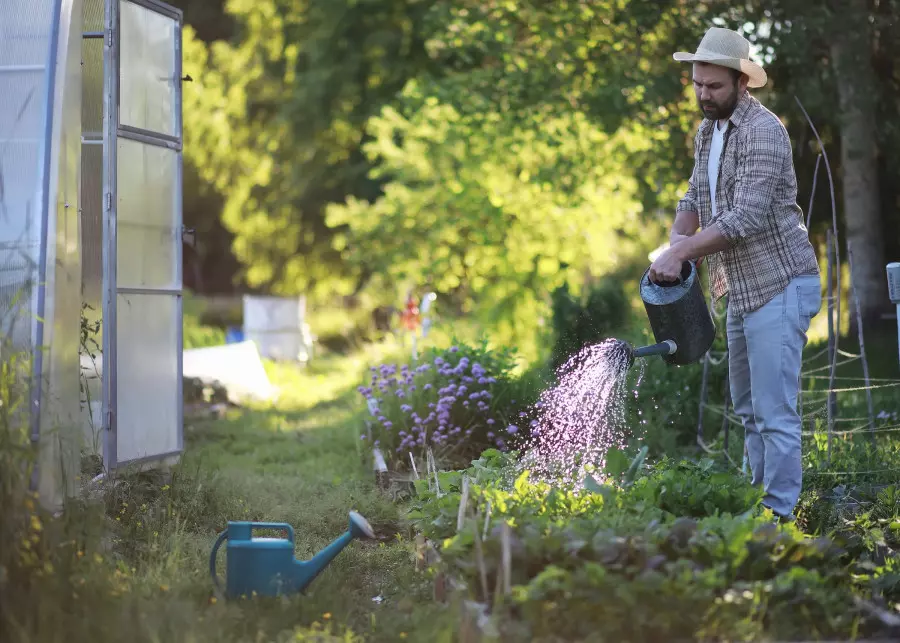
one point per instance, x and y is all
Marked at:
(857, 91)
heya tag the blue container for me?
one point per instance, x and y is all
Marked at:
(234, 335)
(260, 565)
(266, 566)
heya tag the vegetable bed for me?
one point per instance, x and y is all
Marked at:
(679, 550)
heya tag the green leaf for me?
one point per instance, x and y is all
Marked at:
(616, 463)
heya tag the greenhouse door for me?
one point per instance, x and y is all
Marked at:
(142, 231)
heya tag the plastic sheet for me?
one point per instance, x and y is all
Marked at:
(238, 367)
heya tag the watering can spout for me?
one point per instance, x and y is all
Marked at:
(305, 572)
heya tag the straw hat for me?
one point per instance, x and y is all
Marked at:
(729, 49)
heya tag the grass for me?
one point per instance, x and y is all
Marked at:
(137, 563)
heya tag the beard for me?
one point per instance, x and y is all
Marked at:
(719, 111)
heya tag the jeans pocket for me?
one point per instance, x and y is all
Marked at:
(809, 300)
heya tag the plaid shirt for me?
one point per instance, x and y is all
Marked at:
(756, 208)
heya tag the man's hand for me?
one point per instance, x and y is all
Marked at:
(667, 266)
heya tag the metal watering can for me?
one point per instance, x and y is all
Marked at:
(266, 566)
(680, 319)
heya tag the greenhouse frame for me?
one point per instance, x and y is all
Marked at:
(91, 231)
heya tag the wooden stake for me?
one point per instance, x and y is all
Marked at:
(506, 554)
(702, 397)
(479, 559)
(726, 425)
(862, 344)
(463, 504)
(437, 484)
(832, 353)
(487, 520)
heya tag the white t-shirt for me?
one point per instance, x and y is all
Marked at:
(715, 153)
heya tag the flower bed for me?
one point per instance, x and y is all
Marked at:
(455, 402)
(681, 552)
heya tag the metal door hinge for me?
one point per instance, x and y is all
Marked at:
(189, 236)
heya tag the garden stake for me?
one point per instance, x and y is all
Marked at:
(832, 341)
(479, 559)
(507, 557)
(463, 504)
(862, 343)
(413, 462)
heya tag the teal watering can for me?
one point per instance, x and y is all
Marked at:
(266, 566)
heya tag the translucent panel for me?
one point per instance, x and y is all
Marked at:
(92, 225)
(94, 14)
(92, 86)
(22, 104)
(148, 383)
(25, 27)
(147, 69)
(147, 216)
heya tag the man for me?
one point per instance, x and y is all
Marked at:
(742, 195)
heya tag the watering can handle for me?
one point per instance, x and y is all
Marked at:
(212, 561)
(680, 281)
(275, 525)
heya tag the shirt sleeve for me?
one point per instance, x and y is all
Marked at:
(688, 202)
(761, 162)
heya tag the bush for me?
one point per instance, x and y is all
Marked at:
(457, 401)
(581, 321)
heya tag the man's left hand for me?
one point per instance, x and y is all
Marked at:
(667, 266)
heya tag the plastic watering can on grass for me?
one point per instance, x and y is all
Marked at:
(266, 566)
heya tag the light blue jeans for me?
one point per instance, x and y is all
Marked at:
(765, 354)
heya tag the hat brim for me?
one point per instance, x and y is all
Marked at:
(755, 73)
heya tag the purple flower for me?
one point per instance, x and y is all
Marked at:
(401, 392)
(406, 408)
(438, 361)
(478, 370)
(427, 387)
(512, 428)
(454, 349)
(490, 422)
(490, 435)
(363, 437)
(388, 424)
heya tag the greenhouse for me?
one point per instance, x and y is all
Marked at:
(91, 230)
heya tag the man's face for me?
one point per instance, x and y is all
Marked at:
(717, 91)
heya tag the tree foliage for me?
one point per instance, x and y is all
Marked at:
(494, 149)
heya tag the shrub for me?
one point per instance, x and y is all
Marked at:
(457, 401)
